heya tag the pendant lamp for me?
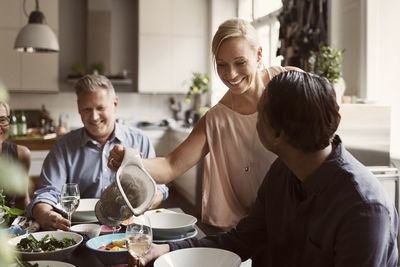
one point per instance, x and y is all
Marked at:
(36, 36)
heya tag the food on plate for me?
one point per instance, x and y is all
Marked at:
(31, 244)
(117, 244)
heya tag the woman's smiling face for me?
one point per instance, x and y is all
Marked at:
(237, 63)
(3, 129)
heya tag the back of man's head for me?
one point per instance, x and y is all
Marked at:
(304, 107)
(90, 83)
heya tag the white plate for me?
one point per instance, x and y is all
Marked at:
(130, 220)
(87, 221)
(85, 211)
(50, 255)
(50, 264)
(180, 238)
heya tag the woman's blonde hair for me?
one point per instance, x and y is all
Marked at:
(232, 28)
(6, 107)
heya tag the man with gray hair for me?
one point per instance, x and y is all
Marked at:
(81, 155)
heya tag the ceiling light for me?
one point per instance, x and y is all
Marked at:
(36, 36)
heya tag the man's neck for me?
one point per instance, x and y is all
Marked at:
(303, 165)
(102, 140)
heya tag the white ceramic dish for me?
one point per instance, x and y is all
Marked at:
(171, 225)
(131, 219)
(189, 234)
(88, 229)
(49, 264)
(50, 255)
(85, 211)
(198, 257)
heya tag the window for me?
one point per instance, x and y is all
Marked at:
(263, 15)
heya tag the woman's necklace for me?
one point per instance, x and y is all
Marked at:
(248, 162)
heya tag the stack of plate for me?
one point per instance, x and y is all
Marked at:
(85, 211)
(172, 226)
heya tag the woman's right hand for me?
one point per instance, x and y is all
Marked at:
(115, 157)
(154, 252)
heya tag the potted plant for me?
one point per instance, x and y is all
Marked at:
(198, 87)
(327, 62)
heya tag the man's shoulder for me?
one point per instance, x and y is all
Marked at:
(130, 135)
(357, 182)
(131, 131)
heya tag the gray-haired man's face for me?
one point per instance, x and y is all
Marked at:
(97, 110)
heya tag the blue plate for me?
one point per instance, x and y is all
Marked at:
(15, 231)
(108, 257)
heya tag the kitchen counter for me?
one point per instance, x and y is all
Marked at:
(45, 142)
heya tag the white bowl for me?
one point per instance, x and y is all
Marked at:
(88, 229)
(171, 225)
(198, 257)
(85, 211)
(50, 255)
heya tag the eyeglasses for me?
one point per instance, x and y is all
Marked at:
(4, 120)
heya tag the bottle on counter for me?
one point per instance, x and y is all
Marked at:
(22, 125)
(13, 129)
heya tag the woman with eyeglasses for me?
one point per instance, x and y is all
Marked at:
(11, 151)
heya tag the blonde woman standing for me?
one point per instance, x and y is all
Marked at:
(235, 162)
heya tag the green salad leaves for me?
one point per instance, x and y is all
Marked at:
(7, 212)
(31, 244)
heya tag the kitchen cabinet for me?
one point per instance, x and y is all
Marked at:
(173, 43)
(22, 72)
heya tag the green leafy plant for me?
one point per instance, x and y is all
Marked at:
(327, 62)
(79, 68)
(8, 212)
(199, 85)
(99, 67)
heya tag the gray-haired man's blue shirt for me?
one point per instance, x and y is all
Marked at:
(77, 158)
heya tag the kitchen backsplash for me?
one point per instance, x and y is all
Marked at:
(132, 107)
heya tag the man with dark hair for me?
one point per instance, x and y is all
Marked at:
(317, 206)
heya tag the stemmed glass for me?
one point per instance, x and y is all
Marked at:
(138, 237)
(70, 198)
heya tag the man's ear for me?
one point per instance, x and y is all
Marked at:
(115, 102)
(259, 54)
(279, 137)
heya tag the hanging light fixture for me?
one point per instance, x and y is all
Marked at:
(36, 36)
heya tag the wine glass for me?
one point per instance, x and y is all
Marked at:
(69, 199)
(138, 237)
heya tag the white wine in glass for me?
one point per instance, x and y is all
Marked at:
(138, 237)
(70, 198)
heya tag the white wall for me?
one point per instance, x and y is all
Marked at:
(132, 107)
(368, 30)
(221, 10)
(384, 58)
